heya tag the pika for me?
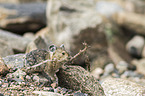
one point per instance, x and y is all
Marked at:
(57, 57)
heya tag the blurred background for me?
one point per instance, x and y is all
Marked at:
(114, 30)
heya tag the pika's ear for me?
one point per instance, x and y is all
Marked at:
(52, 48)
(62, 47)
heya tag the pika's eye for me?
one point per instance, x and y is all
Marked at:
(63, 53)
(52, 48)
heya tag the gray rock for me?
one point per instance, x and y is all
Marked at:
(16, 42)
(45, 93)
(130, 73)
(135, 45)
(28, 77)
(122, 66)
(108, 8)
(20, 1)
(17, 75)
(80, 94)
(36, 78)
(28, 17)
(5, 48)
(140, 64)
(143, 52)
(29, 35)
(14, 61)
(3, 67)
(37, 43)
(109, 68)
(121, 87)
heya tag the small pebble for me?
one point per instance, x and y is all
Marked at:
(97, 72)
(109, 68)
(115, 75)
(51, 89)
(4, 85)
(80, 94)
(122, 66)
(127, 74)
(36, 78)
(63, 90)
(28, 77)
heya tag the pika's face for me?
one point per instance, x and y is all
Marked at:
(58, 53)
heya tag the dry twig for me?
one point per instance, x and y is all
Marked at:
(80, 52)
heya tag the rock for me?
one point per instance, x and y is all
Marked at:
(122, 66)
(135, 46)
(108, 8)
(5, 48)
(143, 52)
(16, 42)
(80, 94)
(132, 6)
(28, 17)
(130, 73)
(138, 81)
(20, 1)
(37, 43)
(109, 68)
(121, 87)
(19, 74)
(36, 78)
(3, 67)
(77, 78)
(44, 34)
(45, 93)
(28, 77)
(14, 61)
(29, 35)
(131, 21)
(97, 72)
(140, 64)
(5, 12)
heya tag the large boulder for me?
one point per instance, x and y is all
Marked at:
(20, 18)
(16, 42)
(121, 87)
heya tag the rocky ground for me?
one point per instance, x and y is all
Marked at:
(113, 65)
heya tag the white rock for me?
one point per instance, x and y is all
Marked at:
(109, 68)
(135, 45)
(140, 64)
(122, 66)
(121, 87)
(96, 73)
